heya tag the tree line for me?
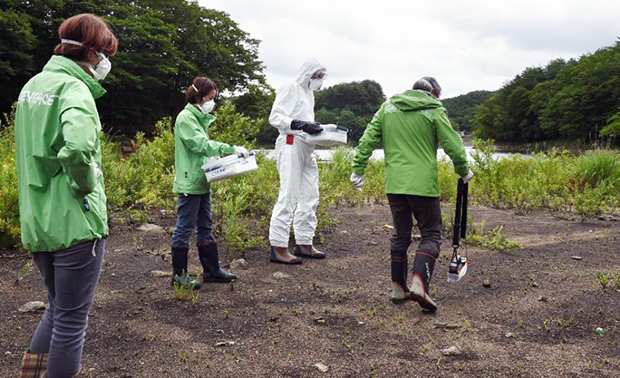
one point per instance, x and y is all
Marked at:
(163, 45)
(574, 100)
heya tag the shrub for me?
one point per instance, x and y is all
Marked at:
(9, 205)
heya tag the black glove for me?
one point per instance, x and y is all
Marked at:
(308, 127)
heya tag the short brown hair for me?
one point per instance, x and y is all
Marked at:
(204, 86)
(91, 31)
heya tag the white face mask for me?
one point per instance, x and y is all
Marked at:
(207, 107)
(315, 84)
(101, 70)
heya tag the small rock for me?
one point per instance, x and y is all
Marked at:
(149, 227)
(160, 274)
(388, 226)
(319, 320)
(542, 298)
(320, 367)
(280, 276)
(239, 264)
(225, 343)
(487, 283)
(361, 323)
(534, 284)
(8, 354)
(576, 257)
(452, 351)
(510, 335)
(32, 307)
(344, 232)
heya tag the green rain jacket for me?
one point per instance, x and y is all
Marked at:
(62, 199)
(191, 148)
(411, 126)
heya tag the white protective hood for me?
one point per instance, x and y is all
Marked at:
(295, 100)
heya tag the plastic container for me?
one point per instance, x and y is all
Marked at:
(332, 135)
(230, 166)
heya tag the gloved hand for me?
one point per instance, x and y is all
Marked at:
(307, 127)
(468, 177)
(241, 151)
(97, 170)
(357, 181)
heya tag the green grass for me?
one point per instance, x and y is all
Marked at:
(141, 183)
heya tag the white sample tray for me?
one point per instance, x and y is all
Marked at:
(229, 166)
(332, 135)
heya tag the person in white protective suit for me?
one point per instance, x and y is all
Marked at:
(293, 115)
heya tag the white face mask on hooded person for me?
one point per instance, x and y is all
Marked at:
(315, 84)
(207, 107)
(101, 70)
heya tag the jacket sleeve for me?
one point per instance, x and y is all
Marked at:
(451, 142)
(283, 106)
(76, 156)
(197, 141)
(368, 142)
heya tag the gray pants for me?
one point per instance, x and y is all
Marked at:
(427, 211)
(70, 276)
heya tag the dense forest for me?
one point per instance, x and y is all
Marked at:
(575, 100)
(461, 108)
(163, 45)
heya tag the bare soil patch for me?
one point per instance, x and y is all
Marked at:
(537, 318)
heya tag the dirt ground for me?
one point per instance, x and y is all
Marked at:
(537, 318)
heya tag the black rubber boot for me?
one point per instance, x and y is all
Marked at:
(400, 290)
(423, 266)
(179, 260)
(179, 269)
(209, 259)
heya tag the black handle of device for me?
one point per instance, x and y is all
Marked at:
(460, 213)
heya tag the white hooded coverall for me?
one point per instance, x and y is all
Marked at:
(299, 173)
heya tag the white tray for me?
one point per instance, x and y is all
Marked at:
(230, 166)
(332, 135)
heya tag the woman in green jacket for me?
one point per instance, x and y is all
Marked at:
(192, 147)
(62, 202)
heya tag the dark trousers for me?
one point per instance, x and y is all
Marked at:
(427, 212)
(71, 277)
(194, 212)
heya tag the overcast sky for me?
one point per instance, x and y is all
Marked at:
(467, 45)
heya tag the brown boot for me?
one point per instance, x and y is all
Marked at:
(309, 251)
(34, 365)
(281, 255)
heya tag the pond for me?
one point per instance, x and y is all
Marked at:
(325, 155)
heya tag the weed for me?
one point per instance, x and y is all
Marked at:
(466, 325)
(185, 293)
(24, 271)
(494, 240)
(183, 356)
